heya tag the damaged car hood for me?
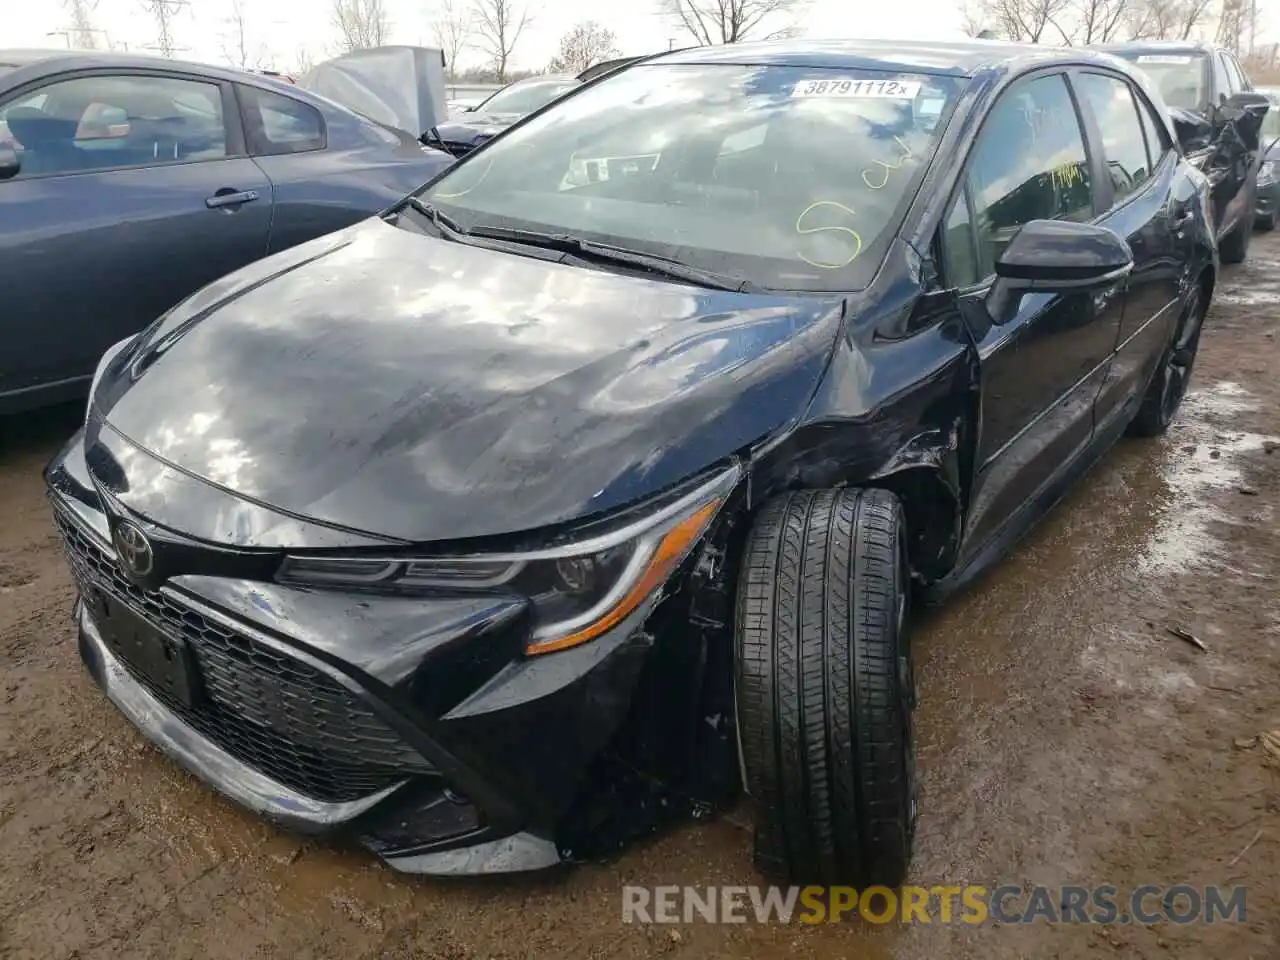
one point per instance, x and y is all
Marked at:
(393, 383)
(397, 86)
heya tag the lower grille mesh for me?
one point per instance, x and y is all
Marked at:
(278, 714)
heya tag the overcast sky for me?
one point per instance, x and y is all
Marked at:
(279, 28)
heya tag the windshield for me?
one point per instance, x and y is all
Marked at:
(1182, 79)
(525, 98)
(790, 177)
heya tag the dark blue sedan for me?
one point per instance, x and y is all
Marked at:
(127, 183)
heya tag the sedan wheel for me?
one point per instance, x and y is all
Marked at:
(825, 688)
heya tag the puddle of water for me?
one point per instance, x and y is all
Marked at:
(1202, 455)
(1249, 298)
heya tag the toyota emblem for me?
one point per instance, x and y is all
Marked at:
(134, 549)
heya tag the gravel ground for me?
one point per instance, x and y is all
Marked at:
(1065, 737)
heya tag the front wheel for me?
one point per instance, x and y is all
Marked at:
(1169, 385)
(825, 688)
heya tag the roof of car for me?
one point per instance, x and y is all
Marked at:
(1156, 46)
(955, 58)
(89, 59)
(543, 78)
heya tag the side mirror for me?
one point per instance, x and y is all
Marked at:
(1056, 256)
(10, 162)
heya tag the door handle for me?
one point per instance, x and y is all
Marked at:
(230, 198)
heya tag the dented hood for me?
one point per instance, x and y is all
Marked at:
(401, 87)
(397, 384)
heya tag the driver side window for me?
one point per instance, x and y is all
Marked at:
(1029, 163)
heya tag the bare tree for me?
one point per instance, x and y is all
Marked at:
(973, 18)
(1164, 19)
(453, 26)
(586, 44)
(1028, 21)
(731, 21)
(82, 32)
(236, 46)
(164, 12)
(303, 61)
(360, 23)
(498, 25)
(1099, 21)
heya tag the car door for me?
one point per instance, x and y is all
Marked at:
(327, 170)
(1137, 170)
(133, 192)
(1041, 369)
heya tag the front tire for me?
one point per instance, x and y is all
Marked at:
(1265, 223)
(825, 688)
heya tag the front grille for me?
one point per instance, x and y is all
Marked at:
(270, 710)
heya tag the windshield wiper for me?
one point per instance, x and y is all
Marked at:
(447, 226)
(608, 253)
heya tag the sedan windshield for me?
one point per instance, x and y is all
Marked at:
(792, 178)
(525, 98)
(1182, 79)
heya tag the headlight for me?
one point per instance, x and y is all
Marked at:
(579, 589)
(1267, 172)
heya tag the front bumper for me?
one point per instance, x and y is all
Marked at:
(430, 739)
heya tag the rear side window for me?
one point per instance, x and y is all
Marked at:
(1029, 164)
(1124, 145)
(275, 124)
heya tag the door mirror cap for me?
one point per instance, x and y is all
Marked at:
(1056, 256)
(10, 162)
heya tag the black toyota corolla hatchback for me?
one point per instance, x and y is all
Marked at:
(592, 482)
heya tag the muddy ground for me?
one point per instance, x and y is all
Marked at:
(1065, 737)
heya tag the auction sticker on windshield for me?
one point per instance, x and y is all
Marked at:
(849, 87)
(1162, 58)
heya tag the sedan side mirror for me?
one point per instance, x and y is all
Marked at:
(10, 162)
(1056, 256)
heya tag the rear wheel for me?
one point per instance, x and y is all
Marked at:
(1234, 247)
(1169, 385)
(825, 688)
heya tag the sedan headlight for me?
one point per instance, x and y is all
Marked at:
(579, 589)
(1267, 172)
